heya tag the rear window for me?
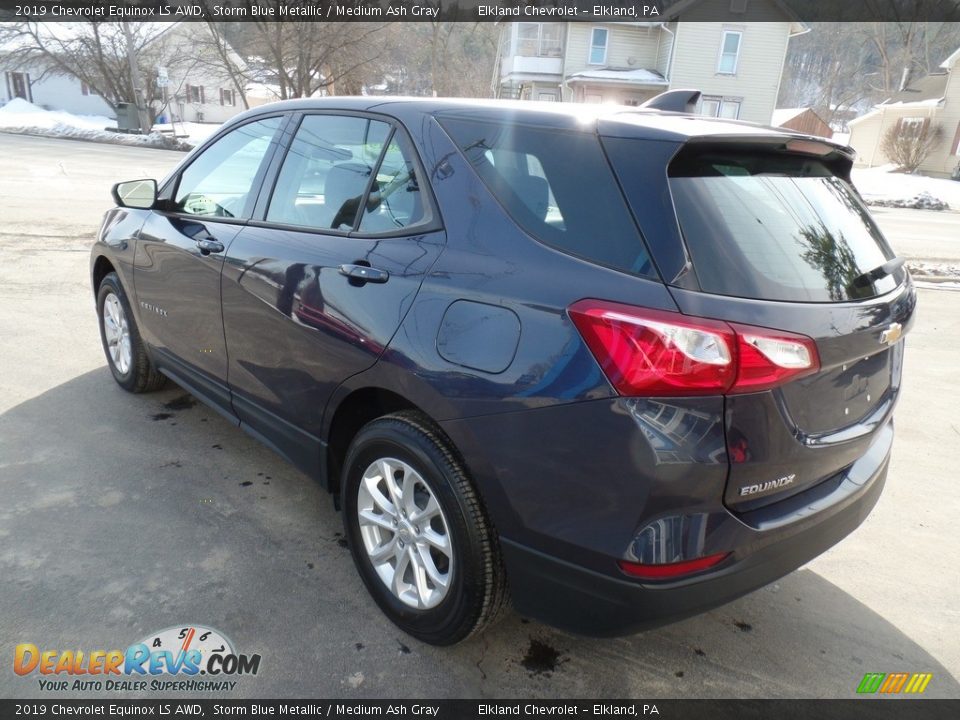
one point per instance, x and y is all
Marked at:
(558, 186)
(775, 226)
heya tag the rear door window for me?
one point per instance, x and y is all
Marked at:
(776, 226)
(558, 187)
(327, 171)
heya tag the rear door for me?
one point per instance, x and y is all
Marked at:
(776, 237)
(318, 283)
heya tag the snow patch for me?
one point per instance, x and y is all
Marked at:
(883, 187)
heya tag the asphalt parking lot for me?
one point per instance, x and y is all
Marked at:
(123, 515)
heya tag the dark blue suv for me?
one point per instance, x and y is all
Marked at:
(630, 364)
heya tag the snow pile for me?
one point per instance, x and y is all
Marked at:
(921, 201)
(24, 118)
(20, 113)
(884, 187)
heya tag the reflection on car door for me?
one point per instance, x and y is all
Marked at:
(180, 254)
(313, 292)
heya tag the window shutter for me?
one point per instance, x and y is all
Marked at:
(221, 97)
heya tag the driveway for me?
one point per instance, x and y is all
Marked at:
(123, 515)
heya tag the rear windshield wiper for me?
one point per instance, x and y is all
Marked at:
(871, 276)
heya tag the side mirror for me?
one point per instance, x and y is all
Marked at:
(141, 194)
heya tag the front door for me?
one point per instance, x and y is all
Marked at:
(314, 290)
(20, 85)
(181, 249)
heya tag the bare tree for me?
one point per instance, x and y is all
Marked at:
(217, 55)
(303, 58)
(841, 69)
(908, 143)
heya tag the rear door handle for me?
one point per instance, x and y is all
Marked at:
(208, 246)
(364, 274)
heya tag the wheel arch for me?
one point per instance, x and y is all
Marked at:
(359, 407)
(102, 266)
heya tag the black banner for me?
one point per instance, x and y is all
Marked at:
(879, 709)
(478, 10)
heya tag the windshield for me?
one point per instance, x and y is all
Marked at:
(776, 226)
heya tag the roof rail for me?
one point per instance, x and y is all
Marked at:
(684, 101)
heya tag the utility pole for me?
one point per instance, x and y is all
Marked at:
(138, 96)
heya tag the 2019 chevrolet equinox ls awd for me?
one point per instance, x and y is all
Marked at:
(629, 363)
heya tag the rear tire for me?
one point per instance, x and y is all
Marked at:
(120, 336)
(431, 560)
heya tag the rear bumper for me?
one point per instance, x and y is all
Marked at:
(764, 548)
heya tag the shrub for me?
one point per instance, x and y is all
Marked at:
(909, 142)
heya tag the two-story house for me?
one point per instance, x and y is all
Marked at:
(737, 63)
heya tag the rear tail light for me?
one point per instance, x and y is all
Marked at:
(670, 571)
(662, 354)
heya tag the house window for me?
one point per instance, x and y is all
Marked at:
(592, 98)
(598, 46)
(85, 89)
(729, 52)
(227, 97)
(912, 126)
(539, 40)
(547, 96)
(715, 106)
(195, 94)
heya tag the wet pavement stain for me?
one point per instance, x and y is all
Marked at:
(743, 626)
(161, 416)
(541, 659)
(184, 402)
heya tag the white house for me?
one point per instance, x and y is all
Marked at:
(736, 63)
(934, 98)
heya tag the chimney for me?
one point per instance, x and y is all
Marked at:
(904, 79)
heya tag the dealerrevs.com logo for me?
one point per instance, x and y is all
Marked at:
(170, 660)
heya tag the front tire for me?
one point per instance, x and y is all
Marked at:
(418, 533)
(120, 336)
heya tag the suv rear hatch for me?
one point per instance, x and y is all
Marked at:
(775, 236)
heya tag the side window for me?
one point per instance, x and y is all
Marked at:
(326, 171)
(396, 200)
(218, 183)
(569, 200)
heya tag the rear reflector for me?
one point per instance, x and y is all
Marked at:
(657, 353)
(671, 570)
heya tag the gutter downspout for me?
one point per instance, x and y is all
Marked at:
(563, 64)
(673, 46)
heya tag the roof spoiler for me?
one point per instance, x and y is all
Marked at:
(684, 101)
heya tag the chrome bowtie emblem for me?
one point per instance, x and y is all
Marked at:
(891, 334)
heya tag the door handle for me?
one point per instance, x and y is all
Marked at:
(360, 274)
(208, 246)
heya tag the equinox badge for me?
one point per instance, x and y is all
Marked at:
(768, 485)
